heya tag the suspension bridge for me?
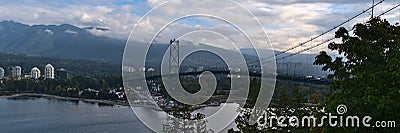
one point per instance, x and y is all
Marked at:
(280, 57)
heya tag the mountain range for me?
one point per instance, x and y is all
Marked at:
(68, 41)
(60, 41)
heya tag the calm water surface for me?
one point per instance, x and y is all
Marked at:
(51, 115)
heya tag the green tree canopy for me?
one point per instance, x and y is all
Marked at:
(367, 77)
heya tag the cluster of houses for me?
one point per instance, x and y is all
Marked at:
(119, 92)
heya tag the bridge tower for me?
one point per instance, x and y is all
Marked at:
(173, 64)
(173, 56)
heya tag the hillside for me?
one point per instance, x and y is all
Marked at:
(61, 41)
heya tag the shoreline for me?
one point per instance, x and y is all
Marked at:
(105, 102)
(95, 101)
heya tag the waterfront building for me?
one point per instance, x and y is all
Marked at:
(27, 76)
(35, 73)
(2, 73)
(16, 73)
(49, 71)
(61, 73)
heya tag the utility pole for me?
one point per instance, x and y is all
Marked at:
(373, 6)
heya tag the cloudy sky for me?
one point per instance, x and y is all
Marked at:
(287, 22)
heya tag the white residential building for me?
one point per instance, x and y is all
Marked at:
(2, 73)
(16, 73)
(49, 71)
(35, 73)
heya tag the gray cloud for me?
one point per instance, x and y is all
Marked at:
(286, 22)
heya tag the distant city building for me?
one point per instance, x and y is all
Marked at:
(189, 69)
(35, 73)
(61, 73)
(142, 69)
(49, 71)
(151, 69)
(27, 76)
(199, 69)
(16, 73)
(2, 73)
(128, 69)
